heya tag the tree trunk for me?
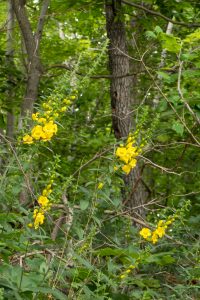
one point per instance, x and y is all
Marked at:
(32, 43)
(121, 101)
(34, 66)
(11, 66)
(119, 67)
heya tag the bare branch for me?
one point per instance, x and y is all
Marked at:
(99, 76)
(166, 170)
(41, 21)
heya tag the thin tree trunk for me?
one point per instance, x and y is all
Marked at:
(121, 101)
(32, 43)
(11, 66)
(34, 66)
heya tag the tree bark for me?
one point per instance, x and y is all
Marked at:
(121, 101)
(34, 66)
(10, 66)
(119, 66)
(32, 43)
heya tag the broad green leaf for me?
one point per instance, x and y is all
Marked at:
(84, 204)
(170, 42)
(178, 127)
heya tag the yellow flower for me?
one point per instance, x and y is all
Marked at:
(35, 116)
(160, 231)
(27, 139)
(30, 225)
(169, 222)
(100, 185)
(63, 109)
(121, 151)
(128, 271)
(132, 151)
(122, 276)
(47, 113)
(132, 267)
(130, 140)
(154, 238)
(73, 97)
(35, 213)
(125, 158)
(160, 223)
(43, 201)
(46, 136)
(42, 120)
(133, 163)
(67, 101)
(36, 132)
(46, 106)
(129, 145)
(126, 169)
(50, 127)
(39, 219)
(145, 232)
(45, 192)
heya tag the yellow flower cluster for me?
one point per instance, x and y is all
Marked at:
(39, 132)
(127, 154)
(46, 127)
(159, 232)
(38, 216)
(43, 201)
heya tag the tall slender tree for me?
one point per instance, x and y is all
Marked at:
(10, 66)
(32, 44)
(121, 99)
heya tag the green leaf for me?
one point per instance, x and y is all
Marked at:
(162, 258)
(54, 292)
(84, 204)
(170, 42)
(150, 35)
(178, 127)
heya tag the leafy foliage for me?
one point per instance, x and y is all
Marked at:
(89, 246)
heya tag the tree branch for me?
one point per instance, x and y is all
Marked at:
(106, 76)
(41, 21)
(181, 93)
(25, 27)
(155, 13)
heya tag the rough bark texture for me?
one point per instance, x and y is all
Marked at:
(120, 91)
(119, 66)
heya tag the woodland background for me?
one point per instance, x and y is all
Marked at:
(101, 71)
